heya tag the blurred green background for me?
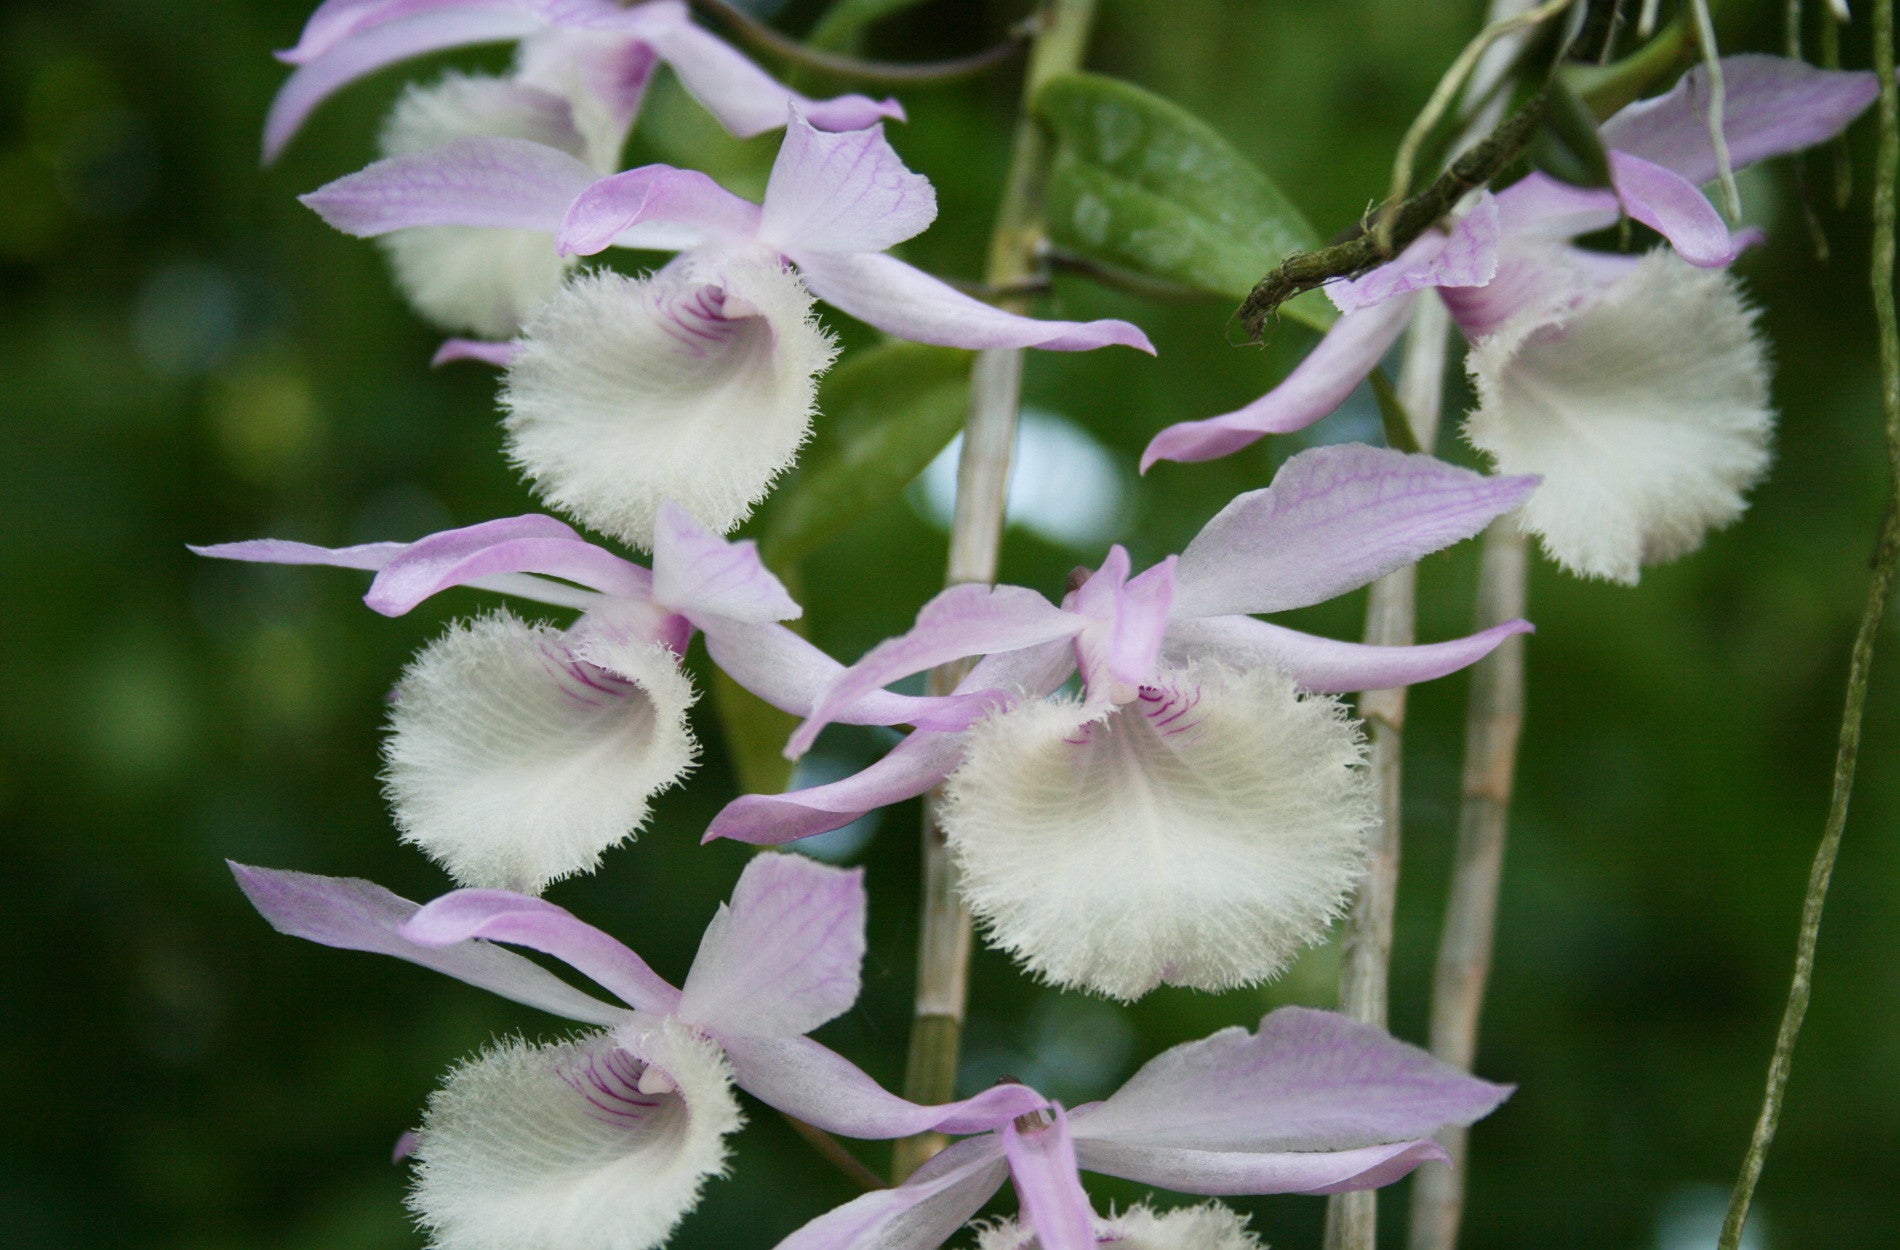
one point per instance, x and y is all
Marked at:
(186, 355)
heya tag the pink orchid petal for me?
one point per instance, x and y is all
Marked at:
(482, 180)
(1466, 256)
(785, 956)
(821, 1087)
(500, 355)
(1538, 205)
(356, 915)
(318, 78)
(1324, 665)
(746, 100)
(1315, 388)
(504, 916)
(1048, 1185)
(921, 1214)
(624, 209)
(1127, 620)
(333, 21)
(790, 673)
(697, 573)
(884, 292)
(1305, 1081)
(846, 192)
(1774, 105)
(910, 768)
(1675, 208)
(1269, 1172)
(962, 621)
(282, 551)
(523, 544)
(1334, 519)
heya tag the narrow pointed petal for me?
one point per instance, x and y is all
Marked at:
(1209, 1226)
(356, 915)
(513, 761)
(821, 1087)
(962, 621)
(486, 351)
(491, 182)
(698, 573)
(471, 275)
(785, 956)
(1540, 206)
(1042, 1164)
(1201, 835)
(1252, 1172)
(696, 384)
(922, 1213)
(1675, 208)
(503, 916)
(1325, 665)
(790, 673)
(845, 192)
(1334, 519)
(1647, 411)
(626, 208)
(557, 1147)
(282, 551)
(884, 292)
(910, 768)
(533, 543)
(1775, 105)
(1316, 387)
(318, 78)
(1306, 1080)
(333, 21)
(746, 100)
(1467, 255)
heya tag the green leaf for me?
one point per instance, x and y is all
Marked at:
(1140, 184)
(842, 27)
(886, 413)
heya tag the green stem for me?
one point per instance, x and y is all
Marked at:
(976, 534)
(764, 38)
(1847, 754)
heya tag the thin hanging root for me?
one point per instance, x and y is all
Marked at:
(1718, 104)
(1441, 99)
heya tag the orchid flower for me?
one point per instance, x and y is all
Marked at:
(597, 54)
(1199, 815)
(696, 383)
(603, 1141)
(519, 752)
(1637, 388)
(1312, 1103)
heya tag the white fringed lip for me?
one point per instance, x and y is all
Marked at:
(695, 384)
(1201, 835)
(513, 762)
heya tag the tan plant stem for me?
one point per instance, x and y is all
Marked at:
(1391, 616)
(1847, 753)
(834, 1152)
(1494, 716)
(763, 37)
(976, 533)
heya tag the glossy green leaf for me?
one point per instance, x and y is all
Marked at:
(885, 414)
(1142, 185)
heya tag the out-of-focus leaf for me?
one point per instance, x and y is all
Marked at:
(842, 26)
(755, 734)
(887, 412)
(1141, 184)
(1567, 144)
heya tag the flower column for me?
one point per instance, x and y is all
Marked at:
(943, 948)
